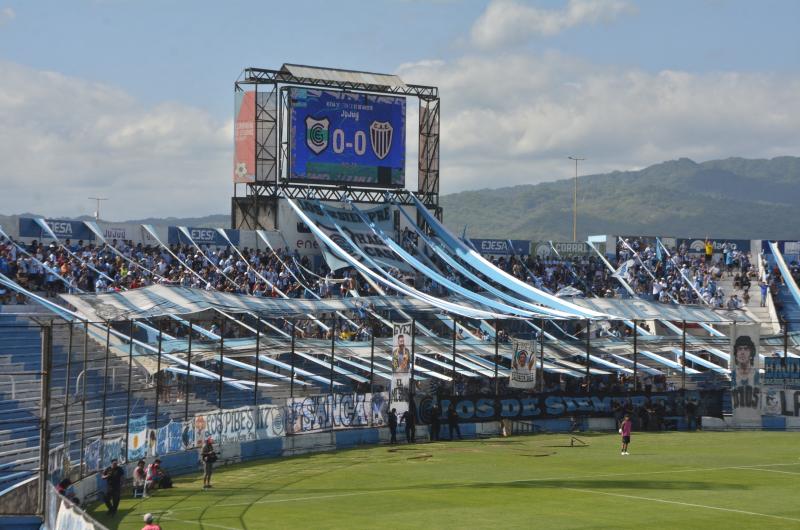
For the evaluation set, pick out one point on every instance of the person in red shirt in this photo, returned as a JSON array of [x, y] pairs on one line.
[[149, 524], [625, 431]]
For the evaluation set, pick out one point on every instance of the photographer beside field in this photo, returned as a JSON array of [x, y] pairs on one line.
[[208, 456]]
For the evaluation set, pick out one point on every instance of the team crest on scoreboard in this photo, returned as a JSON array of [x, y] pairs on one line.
[[317, 134], [380, 134]]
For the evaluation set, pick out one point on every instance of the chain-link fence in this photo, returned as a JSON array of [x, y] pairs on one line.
[[80, 394]]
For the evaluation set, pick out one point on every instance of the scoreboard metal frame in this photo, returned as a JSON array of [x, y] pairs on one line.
[[272, 136]]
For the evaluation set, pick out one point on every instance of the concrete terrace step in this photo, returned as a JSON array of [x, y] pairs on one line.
[[752, 309]]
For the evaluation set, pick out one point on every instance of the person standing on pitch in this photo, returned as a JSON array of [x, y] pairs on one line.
[[436, 411], [149, 524], [625, 431], [452, 421], [411, 431], [114, 476], [392, 417], [209, 456]]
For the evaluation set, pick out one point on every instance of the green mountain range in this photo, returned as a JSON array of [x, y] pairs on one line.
[[732, 198]]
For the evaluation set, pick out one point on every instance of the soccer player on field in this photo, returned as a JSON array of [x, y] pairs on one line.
[[625, 431]]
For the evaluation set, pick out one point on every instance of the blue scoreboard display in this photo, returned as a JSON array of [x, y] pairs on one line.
[[347, 138]]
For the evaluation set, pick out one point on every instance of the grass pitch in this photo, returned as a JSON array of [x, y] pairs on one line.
[[670, 480]]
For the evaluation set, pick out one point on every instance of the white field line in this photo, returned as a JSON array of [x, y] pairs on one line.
[[753, 468], [466, 484], [201, 523], [689, 504]]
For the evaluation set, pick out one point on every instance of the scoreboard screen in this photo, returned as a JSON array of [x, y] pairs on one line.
[[347, 138]]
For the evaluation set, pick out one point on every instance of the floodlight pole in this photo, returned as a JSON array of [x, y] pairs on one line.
[[541, 355], [575, 200], [188, 375], [453, 371], [97, 211], [291, 383], [635, 356], [496, 356], [258, 369], [588, 353], [683, 358]]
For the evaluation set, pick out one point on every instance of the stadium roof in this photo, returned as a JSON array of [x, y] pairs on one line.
[[162, 300], [342, 76]]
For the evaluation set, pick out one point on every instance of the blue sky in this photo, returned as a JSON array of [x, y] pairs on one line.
[[97, 95]]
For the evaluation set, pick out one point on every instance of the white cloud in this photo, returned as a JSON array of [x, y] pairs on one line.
[[6, 15], [514, 119], [506, 22], [64, 139]]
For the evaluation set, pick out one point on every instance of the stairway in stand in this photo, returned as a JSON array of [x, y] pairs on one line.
[[753, 309]]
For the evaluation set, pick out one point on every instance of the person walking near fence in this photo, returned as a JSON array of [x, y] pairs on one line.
[[411, 429], [392, 417], [114, 476], [209, 456], [452, 421], [436, 411]]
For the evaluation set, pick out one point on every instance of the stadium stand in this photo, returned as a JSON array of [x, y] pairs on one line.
[[270, 319]]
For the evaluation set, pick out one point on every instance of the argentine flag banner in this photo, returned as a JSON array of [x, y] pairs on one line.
[[137, 438]]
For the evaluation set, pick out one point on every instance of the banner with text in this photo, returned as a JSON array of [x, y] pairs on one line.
[[324, 412], [73, 230], [479, 408], [238, 425], [501, 247], [746, 391], [777, 401], [401, 367], [698, 246], [783, 372], [523, 365], [201, 236], [565, 249]]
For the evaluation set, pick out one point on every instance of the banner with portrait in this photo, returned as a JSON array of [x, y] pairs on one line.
[[401, 366], [523, 365], [746, 389]]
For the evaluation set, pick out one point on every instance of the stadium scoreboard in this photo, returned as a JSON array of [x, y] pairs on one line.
[[346, 138]]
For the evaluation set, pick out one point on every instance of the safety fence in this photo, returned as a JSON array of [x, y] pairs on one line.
[[80, 394]]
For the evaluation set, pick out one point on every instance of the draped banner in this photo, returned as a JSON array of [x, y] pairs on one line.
[[91, 455], [111, 449], [137, 438], [238, 425], [502, 247], [783, 372], [401, 366], [523, 365], [357, 231], [57, 465], [336, 411], [746, 390], [270, 422], [777, 401], [480, 408], [62, 228], [780, 393]]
